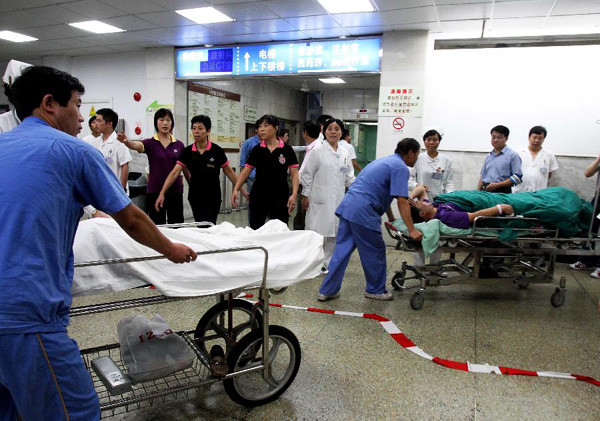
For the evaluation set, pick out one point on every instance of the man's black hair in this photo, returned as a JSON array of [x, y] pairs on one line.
[[406, 145], [91, 120], [282, 132], [432, 132], [323, 118], [35, 82], [414, 213], [269, 119], [161, 113], [333, 120], [501, 129], [312, 128], [538, 130], [204, 119], [109, 115]]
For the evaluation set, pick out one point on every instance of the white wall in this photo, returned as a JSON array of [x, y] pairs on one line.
[[340, 102]]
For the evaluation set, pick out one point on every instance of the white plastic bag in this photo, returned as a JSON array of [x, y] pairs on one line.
[[150, 349]]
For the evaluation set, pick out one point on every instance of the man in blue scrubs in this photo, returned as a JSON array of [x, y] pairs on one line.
[[369, 197], [47, 176]]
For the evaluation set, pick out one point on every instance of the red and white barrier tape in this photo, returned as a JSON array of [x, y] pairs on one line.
[[403, 340]]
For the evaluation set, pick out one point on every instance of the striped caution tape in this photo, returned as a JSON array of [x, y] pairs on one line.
[[405, 342]]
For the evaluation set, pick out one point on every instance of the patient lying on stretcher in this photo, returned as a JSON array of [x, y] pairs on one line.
[[450, 214]]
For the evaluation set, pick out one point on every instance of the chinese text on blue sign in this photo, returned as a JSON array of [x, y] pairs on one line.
[[347, 55]]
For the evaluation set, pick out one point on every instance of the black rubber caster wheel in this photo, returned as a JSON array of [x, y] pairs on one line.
[[398, 280], [417, 301], [558, 298]]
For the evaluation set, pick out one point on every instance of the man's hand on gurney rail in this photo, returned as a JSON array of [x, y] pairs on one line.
[[139, 227], [415, 234]]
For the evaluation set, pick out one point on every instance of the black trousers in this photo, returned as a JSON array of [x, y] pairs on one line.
[[171, 212], [206, 211], [273, 208]]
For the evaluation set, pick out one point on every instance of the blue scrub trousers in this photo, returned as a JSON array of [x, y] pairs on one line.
[[43, 377], [371, 249]]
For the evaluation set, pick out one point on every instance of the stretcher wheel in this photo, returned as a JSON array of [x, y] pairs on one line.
[[558, 298], [277, 291], [417, 301], [398, 279], [212, 329], [252, 389]]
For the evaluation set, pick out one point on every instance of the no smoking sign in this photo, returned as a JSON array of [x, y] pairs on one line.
[[398, 123]]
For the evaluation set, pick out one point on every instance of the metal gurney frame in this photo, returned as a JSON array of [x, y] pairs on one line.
[[251, 347], [524, 260]]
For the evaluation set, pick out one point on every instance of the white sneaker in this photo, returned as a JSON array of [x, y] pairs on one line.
[[386, 296], [596, 273], [578, 266]]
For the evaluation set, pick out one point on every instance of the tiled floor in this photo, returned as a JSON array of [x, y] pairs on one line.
[[352, 369]]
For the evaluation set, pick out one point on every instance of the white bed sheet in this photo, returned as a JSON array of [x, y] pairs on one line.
[[293, 256]]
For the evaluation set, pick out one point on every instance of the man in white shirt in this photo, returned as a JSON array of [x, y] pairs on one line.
[[95, 131], [115, 153], [433, 171], [311, 131], [9, 120], [537, 163]]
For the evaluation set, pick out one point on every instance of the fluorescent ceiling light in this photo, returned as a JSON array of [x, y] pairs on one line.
[[97, 27], [204, 15], [333, 80], [15, 37], [347, 6]]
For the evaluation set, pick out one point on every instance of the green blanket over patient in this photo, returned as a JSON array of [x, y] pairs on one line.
[[555, 206]]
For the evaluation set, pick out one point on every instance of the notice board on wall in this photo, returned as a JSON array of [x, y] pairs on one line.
[[469, 91], [225, 112]]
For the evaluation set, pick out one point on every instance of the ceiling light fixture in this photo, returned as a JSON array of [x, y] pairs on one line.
[[203, 15], [347, 6], [15, 37], [97, 27], [332, 80]]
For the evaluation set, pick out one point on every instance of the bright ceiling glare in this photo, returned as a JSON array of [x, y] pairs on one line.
[[333, 80], [97, 27], [15, 37], [347, 6], [204, 15]]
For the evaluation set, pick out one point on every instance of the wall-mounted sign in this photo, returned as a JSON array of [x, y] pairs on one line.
[[403, 101], [250, 113], [342, 55]]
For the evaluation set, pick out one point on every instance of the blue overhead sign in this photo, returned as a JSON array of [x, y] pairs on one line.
[[343, 55]]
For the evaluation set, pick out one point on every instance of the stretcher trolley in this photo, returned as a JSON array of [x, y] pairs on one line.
[[529, 258], [262, 359]]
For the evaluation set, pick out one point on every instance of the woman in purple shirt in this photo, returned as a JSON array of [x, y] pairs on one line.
[[163, 151]]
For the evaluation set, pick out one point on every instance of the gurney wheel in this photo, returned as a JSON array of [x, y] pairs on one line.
[[398, 279], [558, 298], [252, 389], [212, 328], [417, 301], [277, 291]]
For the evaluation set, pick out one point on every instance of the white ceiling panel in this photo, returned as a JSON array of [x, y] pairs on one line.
[[446, 2], [240, 39], [523, 9], [572, 21], [367, 30], [247, 11], [134, 6], [287, 36], [384, 5], [424, 26], [528, 24], [463, 28], [406, 16], [57, 14], [166, 18], [295, 8], [92, 9], [358, 19], [130, 23], [58, 31], [229, 28], [464, 11], [327, 33], [12, 5], [180, 4], [313, 22], [269, 25], [575, 7]]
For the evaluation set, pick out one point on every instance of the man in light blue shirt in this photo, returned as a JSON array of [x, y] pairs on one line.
[[502, 167], [46, 177], [247, 146], [369, 197]]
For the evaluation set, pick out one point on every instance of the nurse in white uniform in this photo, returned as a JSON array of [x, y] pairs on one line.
[[327, 171], [9, 120]]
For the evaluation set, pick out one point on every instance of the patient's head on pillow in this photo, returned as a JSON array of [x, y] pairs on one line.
[[415, 214], [425, 210]]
